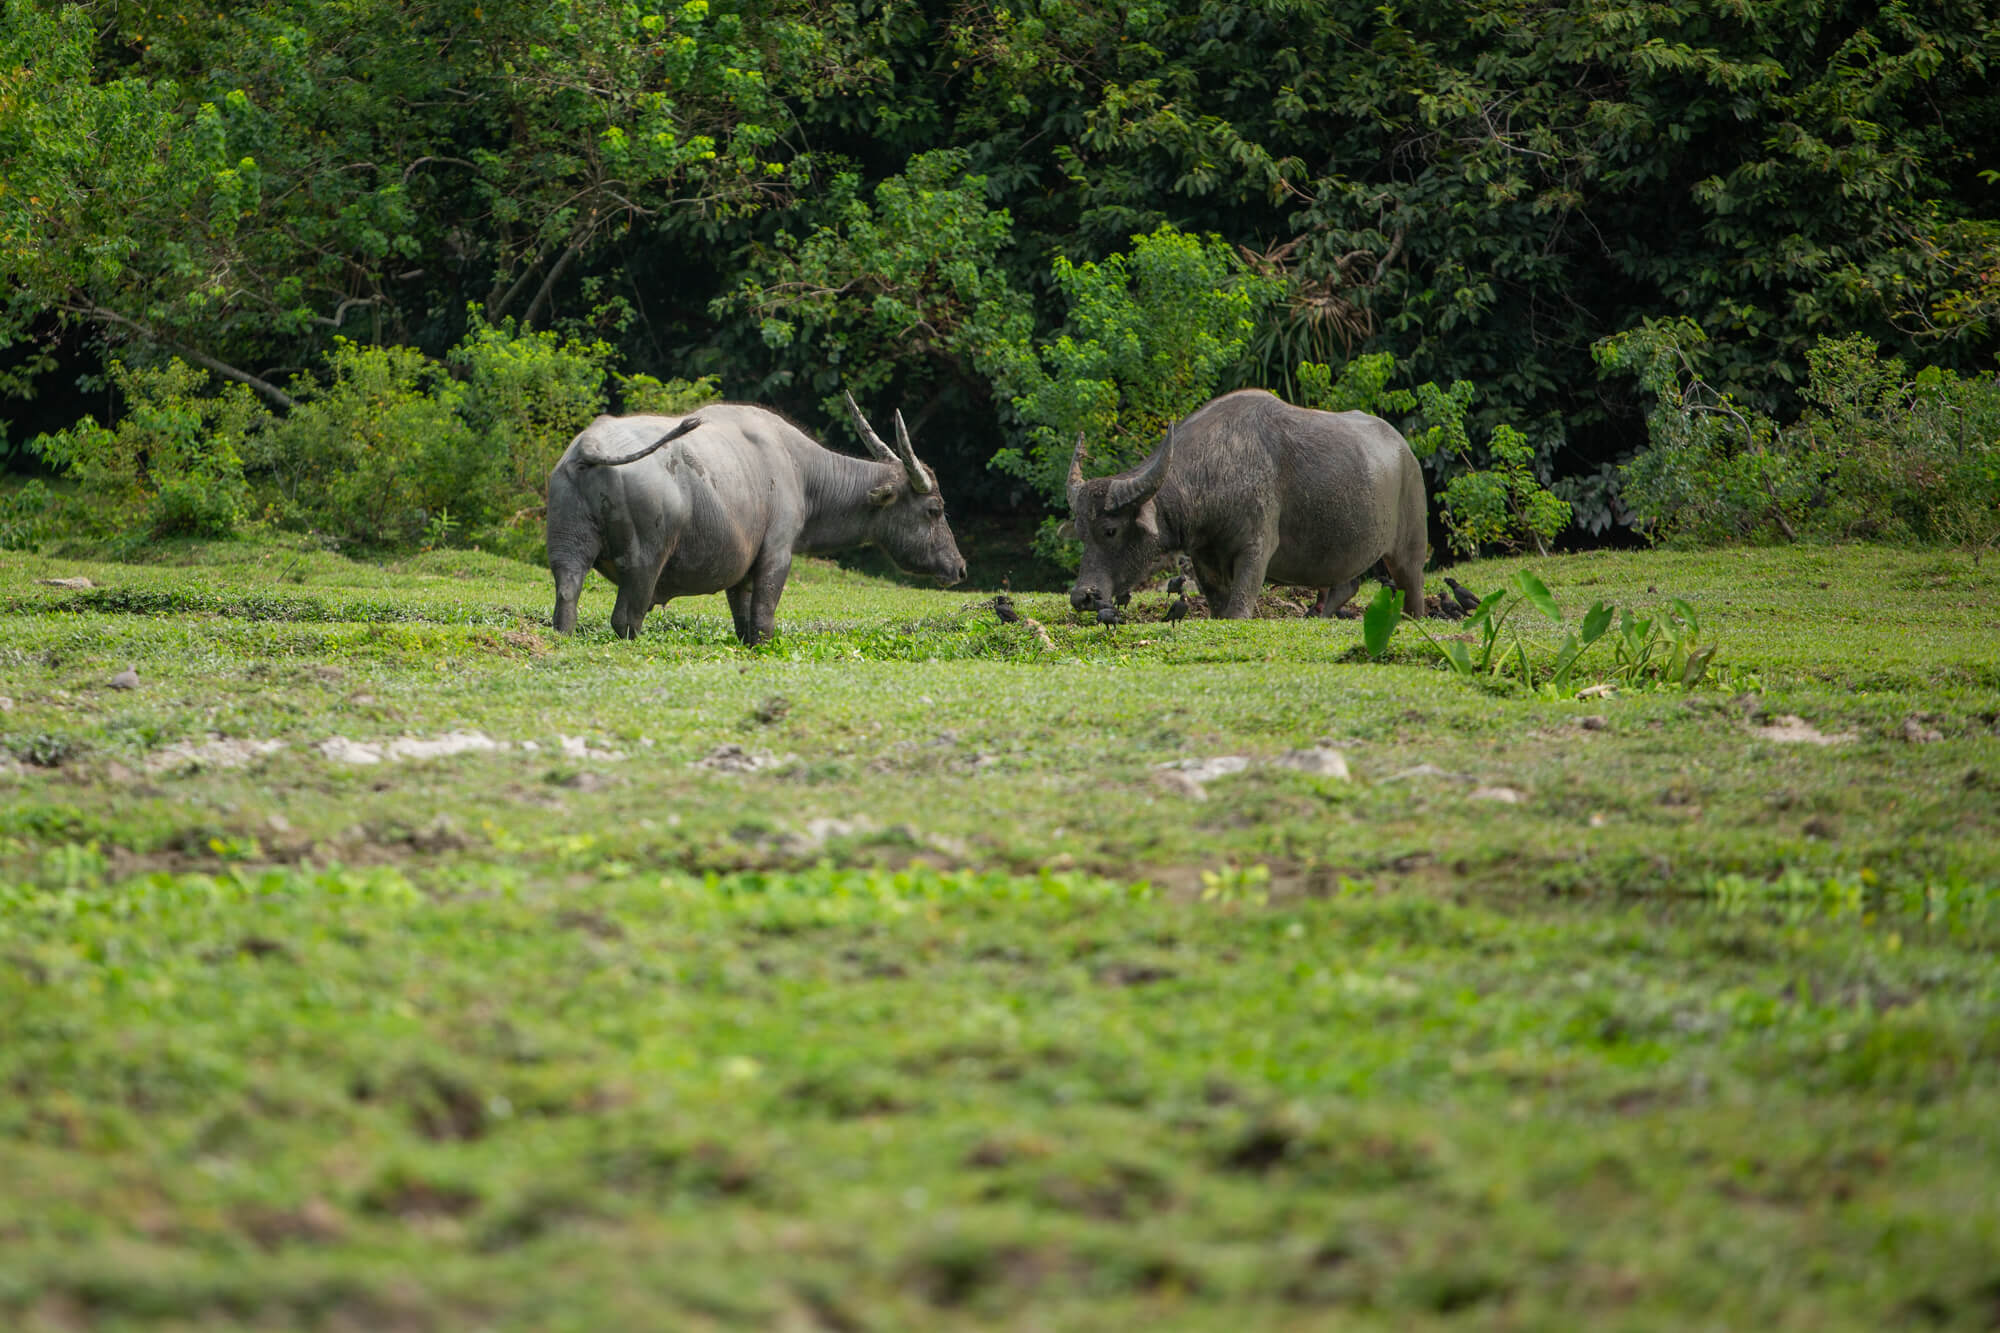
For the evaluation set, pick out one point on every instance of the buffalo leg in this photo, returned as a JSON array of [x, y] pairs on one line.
[[635, 599], [1407, 569], [569, 587], [1246, 580], [1337, 597], [740, 610], [767, 585]]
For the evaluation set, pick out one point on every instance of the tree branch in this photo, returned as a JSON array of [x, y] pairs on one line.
[[200, 358], [556, 270]]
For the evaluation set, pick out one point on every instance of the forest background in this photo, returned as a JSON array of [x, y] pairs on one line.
[[1717, 269]]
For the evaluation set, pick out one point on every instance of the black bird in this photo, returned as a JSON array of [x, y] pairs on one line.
[[1107, 614], [1003, 606], [1464, 596], [1176, 583], [1177, 609]]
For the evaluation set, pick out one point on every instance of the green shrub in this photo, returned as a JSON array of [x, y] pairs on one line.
[[642, 394], [372, 455], [27, 516], [1362, 386], [171, 464], [1878, 453], [1906, 458], [1149, 336], [527, 394], [1494, 500], [1713, 469]]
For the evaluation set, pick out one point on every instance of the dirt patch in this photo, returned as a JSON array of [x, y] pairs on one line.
[[344, 751], [215, 752], [1790, 729]]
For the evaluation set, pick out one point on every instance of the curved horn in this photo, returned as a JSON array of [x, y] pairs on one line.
[[920, 481], [882, 452], [1076, 472], [1133, 491]]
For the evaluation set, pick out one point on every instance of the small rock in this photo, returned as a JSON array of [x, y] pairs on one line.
[[1319, 761], [1431, 771], [78, 583], [6, 704], [1208, 770], [277, 823], [1180, 784], [1914, 731], [1594, 722], [128, 679], [1505, 795], [584, 781]]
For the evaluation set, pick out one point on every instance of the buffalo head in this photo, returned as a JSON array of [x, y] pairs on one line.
[[906, 513], [1116, 521]]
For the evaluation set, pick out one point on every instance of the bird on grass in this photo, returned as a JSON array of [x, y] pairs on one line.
[[1003, 606], [1107, 614], [1177, 609], [1467, 599], [1176, 583]]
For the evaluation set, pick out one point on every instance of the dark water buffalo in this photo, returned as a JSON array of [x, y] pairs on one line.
[[1252, 488], [721, 501]]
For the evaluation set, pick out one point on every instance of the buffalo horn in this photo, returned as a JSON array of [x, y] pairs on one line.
[[1130, 492], [881, 451], [920, 481], [1076, 472]]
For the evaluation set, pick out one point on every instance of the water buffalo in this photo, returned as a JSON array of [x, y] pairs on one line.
[[721, 501], [1252, 488]]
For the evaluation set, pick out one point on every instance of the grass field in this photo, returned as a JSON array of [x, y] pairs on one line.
[[880, 978]]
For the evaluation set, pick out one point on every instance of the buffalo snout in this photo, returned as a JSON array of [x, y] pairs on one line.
[[1082, 597]]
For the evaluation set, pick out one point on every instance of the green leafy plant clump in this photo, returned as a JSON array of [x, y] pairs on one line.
[[1664, 650]]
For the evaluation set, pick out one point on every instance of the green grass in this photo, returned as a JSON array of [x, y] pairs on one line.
[[955, 1014]]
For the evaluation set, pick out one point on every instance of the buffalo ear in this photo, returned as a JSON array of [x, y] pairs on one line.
[[1148, 521], [1067, 530], [883, 496]]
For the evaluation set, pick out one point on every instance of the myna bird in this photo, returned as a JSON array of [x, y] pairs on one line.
[[1176, 583], [1177, 609], [1003, 606], [1467, 599], [1107, 614]]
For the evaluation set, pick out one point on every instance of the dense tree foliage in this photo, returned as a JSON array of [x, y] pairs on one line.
[[801, 195]]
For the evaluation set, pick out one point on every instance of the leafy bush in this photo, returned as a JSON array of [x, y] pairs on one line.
[[171, 464], [640, 394], [1905, 458], [26, 516], [527, 394], [1713, 469], [1502, 503], [1878, 452], [373, 454], [1150, 334], [884, 288], [1362, 386]]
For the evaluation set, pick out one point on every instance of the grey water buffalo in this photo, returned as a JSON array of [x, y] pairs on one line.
[[1252, 488], [720, 501]]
